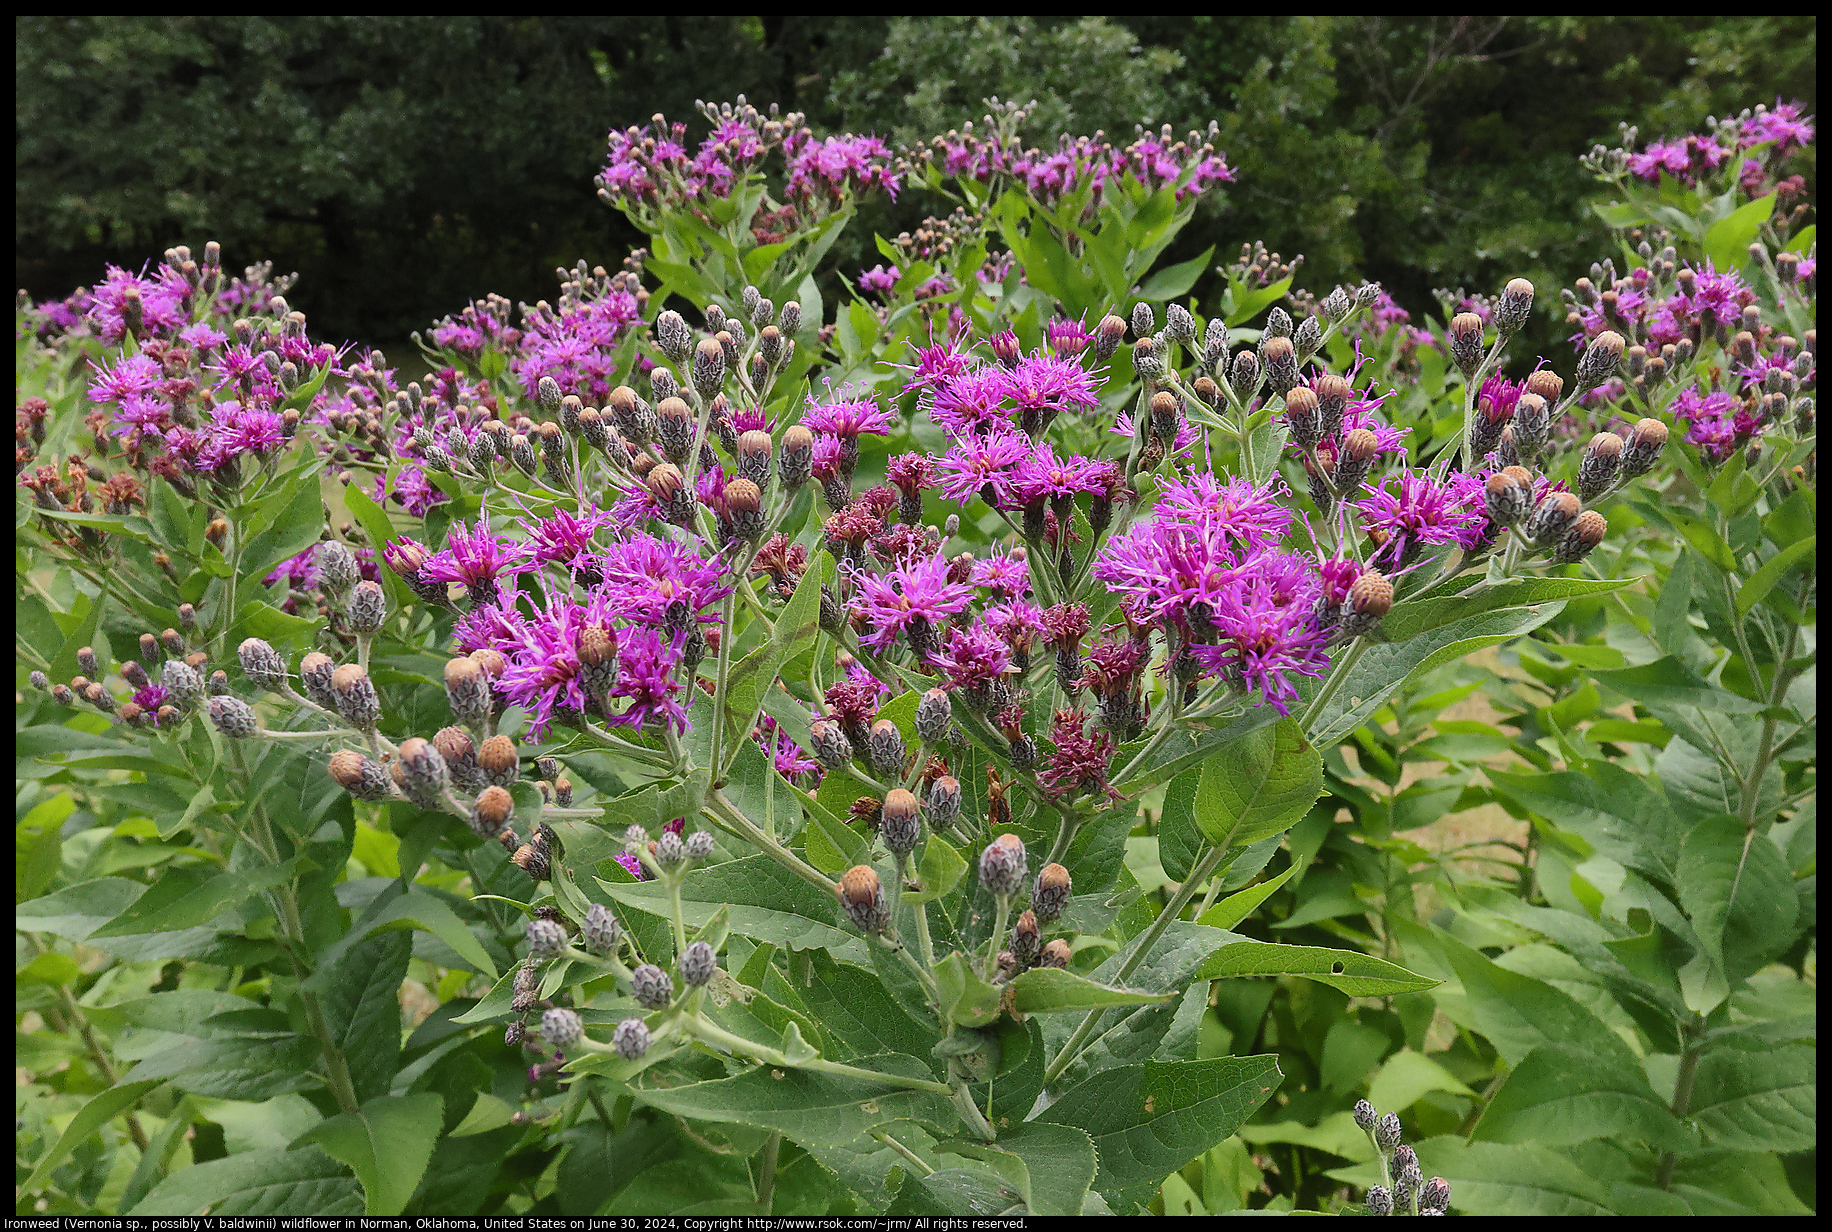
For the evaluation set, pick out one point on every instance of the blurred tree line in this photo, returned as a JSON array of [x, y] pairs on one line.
[[406, 165]]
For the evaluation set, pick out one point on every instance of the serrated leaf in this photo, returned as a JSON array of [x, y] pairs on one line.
[[1148, 1120], [188, 902], [767, 903], [419, 909], [1519, 1013], [1772, 571], [386, 1143], [1415, 616], [805, 1106], [1257, 786], [269, 1182], [1758, 1101], [100, 1110], [1735, 886], [1560, 1096]]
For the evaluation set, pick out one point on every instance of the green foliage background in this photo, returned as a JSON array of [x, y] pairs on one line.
[[406, 165]]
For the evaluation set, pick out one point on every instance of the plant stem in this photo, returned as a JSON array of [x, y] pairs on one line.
[[915, 1161], [766, 1174], [1338, 673], [1199, 873], [1682, 1100], [712, 1033]]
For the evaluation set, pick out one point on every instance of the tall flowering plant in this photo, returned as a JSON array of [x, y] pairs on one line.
[[734, 760]]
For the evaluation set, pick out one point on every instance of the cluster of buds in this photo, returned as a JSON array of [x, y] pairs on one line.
[[1403, 1189], [167, 684], [668, 855]]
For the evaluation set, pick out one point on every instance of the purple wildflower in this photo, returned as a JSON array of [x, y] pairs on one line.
[[648, 675], [914, 598]]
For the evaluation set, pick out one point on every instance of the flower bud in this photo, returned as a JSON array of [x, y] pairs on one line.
[[61, 694], [496, 757], [900, 822], [561, 1027], [1333, 395], [1546, 384], [532, 858], [1434, 1196], [262, 664], [547, 392], [744, 504], [1369, 601], [1355, 460], [885, 748], [1301, 417], [1466, 342], [830, 744], [527, 987], [367, 607], [99, 697], [1055, 954], [698, 963], [933, 714], [600, 930], [1552, 517], [669, 852], [1601, 463], [1281, 359], [1365, 1116], [491, 811], [1144, 320], [1244, 374], [233, 717], [1506, 499], [943, 803], [631, 1038], [1532, 422], [423, 775], [545, 938], [1004, 865], [1107, 337], [1026, 941], [1387, 1132], [1583, 537], [862, 897], [356, 774], [355, 696], [1600, 359], [1644, 448], [87, 662], [1515, 307], [651, 986], [182, 682], [699, 845], [1380, 1200], [674, 428], [673, 336], [1051, 893], [514, 1034], [1147, 361]]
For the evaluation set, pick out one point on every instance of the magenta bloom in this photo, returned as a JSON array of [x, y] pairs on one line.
[[917, 596], [644, 577], [648, 675], [847, 418], [1235, 509], [1041, 475], [1265, 634], [971, 403], [1005, 575], [1423, 512], [561, 536], [1049, 386], [475, 558], [878, 279], [235, 430], [974, 658], [1782, 125], [981, 466]]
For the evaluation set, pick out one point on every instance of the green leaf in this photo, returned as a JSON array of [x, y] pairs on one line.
[[1519, 1013], [100, 1110], [1765, 579], [486, 1114], [1060, 1163], [1559, 1096], [362, 1009], [1043, 990], [1350, 971], [857, 1015], [1244, 304], [1415, 616], [1620, 814], [806, 1106], [1735, 1183], [1758, 1101], [794, 631], [1703, 538], [1149, 1120], [966, 999], [1735, 886], [386, 1143], [1258, 785], [249, 1067], [419, 909], [288, 532], [1237, 907], [269, 1182], [188, 903], [940, 869], [1167, 284], [1727, 242], [1384, 668], [1409, 1076], [767, 903], [1668, 682]]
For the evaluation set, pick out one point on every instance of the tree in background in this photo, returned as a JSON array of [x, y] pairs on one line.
[[406, 165]]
